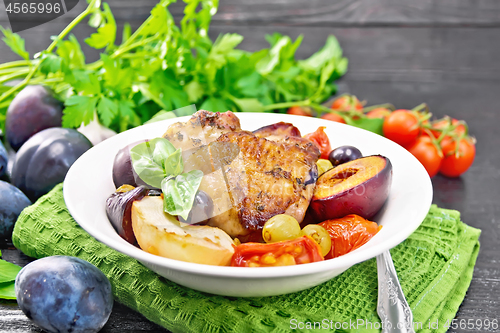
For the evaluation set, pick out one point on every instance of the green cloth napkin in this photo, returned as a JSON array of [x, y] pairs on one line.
[[435, 266]]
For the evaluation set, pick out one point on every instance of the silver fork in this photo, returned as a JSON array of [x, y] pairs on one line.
[[392, 307]]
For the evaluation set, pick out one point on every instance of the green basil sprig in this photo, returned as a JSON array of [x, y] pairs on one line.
[[159, 164]]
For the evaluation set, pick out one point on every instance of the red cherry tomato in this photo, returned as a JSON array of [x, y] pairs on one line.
[[301, 250], [427, 153], [456, 162], [333, 117], [460, 129], [380, 113], [300, 111], [347, 103], [321, 140], [348, 233], [401, 126]]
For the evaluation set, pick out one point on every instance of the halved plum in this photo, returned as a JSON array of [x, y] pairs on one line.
[[357, 187]]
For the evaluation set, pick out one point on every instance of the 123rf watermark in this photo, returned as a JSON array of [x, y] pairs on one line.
[[478, 324]]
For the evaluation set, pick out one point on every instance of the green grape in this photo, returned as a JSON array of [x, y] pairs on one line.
[[320, 236], [323, 166], [279, 228]]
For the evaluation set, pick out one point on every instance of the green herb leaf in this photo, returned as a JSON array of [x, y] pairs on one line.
[[71, 52], [15, 42], [249, 104], [174, 164], [107, 110], [8, 271], [215, 104], [106, 34], [7, 290], [370, 124], [78, 110], [179, 192], [148, 160]]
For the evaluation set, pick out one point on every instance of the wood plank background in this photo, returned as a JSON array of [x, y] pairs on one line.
[[443, 52]]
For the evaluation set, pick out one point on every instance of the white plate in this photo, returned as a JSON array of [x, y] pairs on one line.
[[89, 182]]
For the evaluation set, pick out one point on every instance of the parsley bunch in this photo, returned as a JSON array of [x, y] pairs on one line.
[[163, 66]]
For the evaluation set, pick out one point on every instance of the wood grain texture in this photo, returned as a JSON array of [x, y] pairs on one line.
[[327, 13]]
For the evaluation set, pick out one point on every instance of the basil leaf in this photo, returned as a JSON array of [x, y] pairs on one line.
[[7, 290], [174, 164], [179, 192], [148, 160], [373, 125], [8, 271]]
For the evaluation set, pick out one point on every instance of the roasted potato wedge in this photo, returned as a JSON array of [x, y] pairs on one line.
[[161, 234]]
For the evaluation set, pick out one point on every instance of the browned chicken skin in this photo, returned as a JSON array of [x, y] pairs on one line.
[[271, 171]]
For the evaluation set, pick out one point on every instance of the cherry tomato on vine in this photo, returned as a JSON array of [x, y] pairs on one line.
[[347, 103], [427, 153], [456, 162], [380, 113], [402, 127], [300, 250], [333, 117], [300, 111], [321, 140], [460, 129]]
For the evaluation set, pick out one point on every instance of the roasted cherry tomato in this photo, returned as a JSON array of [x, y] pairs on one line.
[[300, 111], [380, 113], [457, 161], [402, 127], [321, 140], [347, 103], [348, 233], [333, 117], [297, 251], [427, 153]]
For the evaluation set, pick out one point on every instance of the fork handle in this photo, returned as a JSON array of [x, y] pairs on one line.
[[392, 308]]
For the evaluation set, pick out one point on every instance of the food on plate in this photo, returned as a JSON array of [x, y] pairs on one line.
[[215, 193], [13, 202], [357, 187], [320, 236], [119, 209], [321, 140], [64, 294], [300, 250], [43, 160], [279, 228], [34, 109], [323, 166], [268, 178], [348, 233], [123, 173], [344, 154], [162, 234]]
